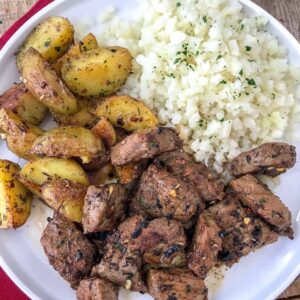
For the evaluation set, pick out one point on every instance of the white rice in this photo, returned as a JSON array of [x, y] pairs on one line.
[[211, 71]]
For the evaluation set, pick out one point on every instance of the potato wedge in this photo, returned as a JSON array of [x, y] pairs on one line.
[[89, 42], [20, 135], [128, 113], [69, 142], [43, 83], [15, 199], [128, 173], [52, 38], [104, 130], [21, 102], [38, 171], [66, 197], [97, 72]]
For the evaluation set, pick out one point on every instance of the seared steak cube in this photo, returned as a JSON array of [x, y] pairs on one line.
[[197, 175], [104, 207], [97, 289], [263, 202], [271, 159], [146, 143], [175, 284], [68, 250], [205, 245]]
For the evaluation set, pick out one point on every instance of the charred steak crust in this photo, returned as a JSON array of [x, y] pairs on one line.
[[146, 143], [262, 202], [270, 159], [70, 253]]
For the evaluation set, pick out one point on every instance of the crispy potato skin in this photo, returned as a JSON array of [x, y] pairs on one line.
[[89, 42], [66, 197], [68, 142], [15, 199], [38, 171], [104, 130], [21, 102], [128, 113], [98, 72], [51, 38], [20, 135], [43, 83]]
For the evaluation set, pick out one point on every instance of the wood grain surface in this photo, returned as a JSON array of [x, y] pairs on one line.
[[286, 11]]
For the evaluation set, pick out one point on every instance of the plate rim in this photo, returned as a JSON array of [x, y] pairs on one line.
[[53, 5]]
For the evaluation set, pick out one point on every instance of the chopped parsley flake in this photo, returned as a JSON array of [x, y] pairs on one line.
[[242, 26], [222, 120], [274, 96], [248, 48], [241, 72], [251, 82], [204, 18], [219, 57], [223, 82], [178, 4], [177, 60], [47, 43], [57, 49]]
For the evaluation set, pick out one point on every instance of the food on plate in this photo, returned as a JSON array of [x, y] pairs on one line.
[[89, 42], [143, 144], [15, 199], [66, 197], [242, 231], [104, 207], [96, 288], [263, 202], [271, 159], [20, 135], [43, 83], [205, 246], [103, 175], [181, 164], [69, 142], [176, 284], [68, 250], [104, 130], [22, 103], [162, 194], [128, 113], [98, 72], [40, 170]]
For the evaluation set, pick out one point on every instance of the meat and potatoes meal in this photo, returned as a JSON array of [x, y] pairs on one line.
[[132, 208]]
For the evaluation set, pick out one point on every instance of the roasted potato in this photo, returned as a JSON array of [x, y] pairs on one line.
[[106, 132], [43, 83], [69, 142], [66, 197], [52, 38], [20, 135], [89, 42], [21, 102], [129, 173], [127, 113], [15, 199], [38, 171], [97, 72]]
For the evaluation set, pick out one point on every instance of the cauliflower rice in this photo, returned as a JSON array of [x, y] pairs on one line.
[[211, 71]]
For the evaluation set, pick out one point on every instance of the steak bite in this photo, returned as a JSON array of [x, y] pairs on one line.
[[161, 194], [183, 165], [240, 230], [70, 253], [205, 246], [97, 289], [270, 159], [263, 202], [143, 144], [104, 207], [175, 284]]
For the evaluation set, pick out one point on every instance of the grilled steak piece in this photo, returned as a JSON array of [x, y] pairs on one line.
[[97, 289], [104, 207], [146, 143], [205, 245], [163, 194], [175, 284], [263, 202], [271, 159], [240, 230], [70, 253], [183, 165]]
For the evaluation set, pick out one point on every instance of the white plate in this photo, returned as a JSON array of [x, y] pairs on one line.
[[259, 276]]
